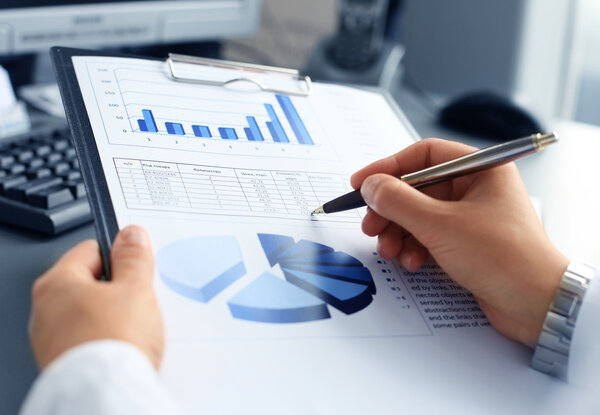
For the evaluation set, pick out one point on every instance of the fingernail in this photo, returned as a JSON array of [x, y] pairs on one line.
[[135, 235], [368, 188], [406, 260]]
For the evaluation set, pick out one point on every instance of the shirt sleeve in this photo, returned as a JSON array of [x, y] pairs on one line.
[[584, 353], [99, 378]]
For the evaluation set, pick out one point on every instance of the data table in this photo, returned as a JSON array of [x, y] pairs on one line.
[[193, 188]]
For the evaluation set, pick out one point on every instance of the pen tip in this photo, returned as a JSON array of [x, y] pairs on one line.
[[317, 211]]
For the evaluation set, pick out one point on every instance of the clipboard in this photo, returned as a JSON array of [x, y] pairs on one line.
[[328, 366], [173, 59], [105, 221]]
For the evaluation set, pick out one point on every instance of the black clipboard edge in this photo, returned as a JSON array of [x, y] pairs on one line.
[[105, 221]]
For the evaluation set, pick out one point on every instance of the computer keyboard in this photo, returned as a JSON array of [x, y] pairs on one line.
[[40, 183]]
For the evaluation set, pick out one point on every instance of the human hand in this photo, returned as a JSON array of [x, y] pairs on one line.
[[481, 229], [71, 306]]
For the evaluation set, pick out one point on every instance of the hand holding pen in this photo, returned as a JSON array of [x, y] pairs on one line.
[[480, 228], [473, 162]]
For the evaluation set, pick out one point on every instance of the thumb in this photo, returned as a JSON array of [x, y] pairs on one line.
[[131, 257], [399, 202]]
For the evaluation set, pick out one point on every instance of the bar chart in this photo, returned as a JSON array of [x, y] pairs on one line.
[[250, 131], [142, 107]]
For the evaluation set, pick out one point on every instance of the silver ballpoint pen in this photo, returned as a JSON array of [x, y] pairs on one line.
[[483, 159]]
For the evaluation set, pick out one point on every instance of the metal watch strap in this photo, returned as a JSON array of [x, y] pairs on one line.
[[552, 351]]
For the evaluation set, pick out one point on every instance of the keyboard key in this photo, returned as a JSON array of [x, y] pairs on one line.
[[77, 188], [70, 153], [42, 150], [61, 144], [38, 172], [22, 155], [6, 160], [10, 181], [70, 175], [35, 163], [50, 197], [21, 191], [75, 164], [16, 168], [60, 167], [53, 157]]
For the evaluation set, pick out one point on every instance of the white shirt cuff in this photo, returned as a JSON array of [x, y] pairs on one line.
[[97, 378]]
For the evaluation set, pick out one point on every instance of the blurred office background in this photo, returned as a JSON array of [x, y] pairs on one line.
[[543, 54], [539, 53]]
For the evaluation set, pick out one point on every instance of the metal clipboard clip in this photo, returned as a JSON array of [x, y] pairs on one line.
[[173, 59]]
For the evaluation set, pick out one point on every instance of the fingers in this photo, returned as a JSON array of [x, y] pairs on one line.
[[132, 260], [398, 202], [83, 261], [389, 242], [394, 243], [413, 254], [373, 224], [418, 156]]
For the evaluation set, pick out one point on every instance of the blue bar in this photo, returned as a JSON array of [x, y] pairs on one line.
[[249, 134], [174, 128], [294, 120], [201, 131], [149, 120], [228, 133], [280, 136], [179, 129], [142, 125], [256, 134], [273, 132]]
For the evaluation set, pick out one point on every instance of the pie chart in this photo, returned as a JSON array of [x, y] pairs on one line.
[[316, 277]]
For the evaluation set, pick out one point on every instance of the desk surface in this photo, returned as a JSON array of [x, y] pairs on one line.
[[561, 177]]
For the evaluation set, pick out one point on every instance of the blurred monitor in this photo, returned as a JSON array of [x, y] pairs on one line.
[[32, 26], [519, 48]]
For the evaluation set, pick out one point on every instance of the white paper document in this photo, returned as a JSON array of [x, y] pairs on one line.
[[267, 309]]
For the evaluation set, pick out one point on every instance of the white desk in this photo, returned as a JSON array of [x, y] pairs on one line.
[[565, 179]]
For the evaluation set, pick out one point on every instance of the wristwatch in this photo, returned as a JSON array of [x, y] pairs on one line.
[[552, 351]]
